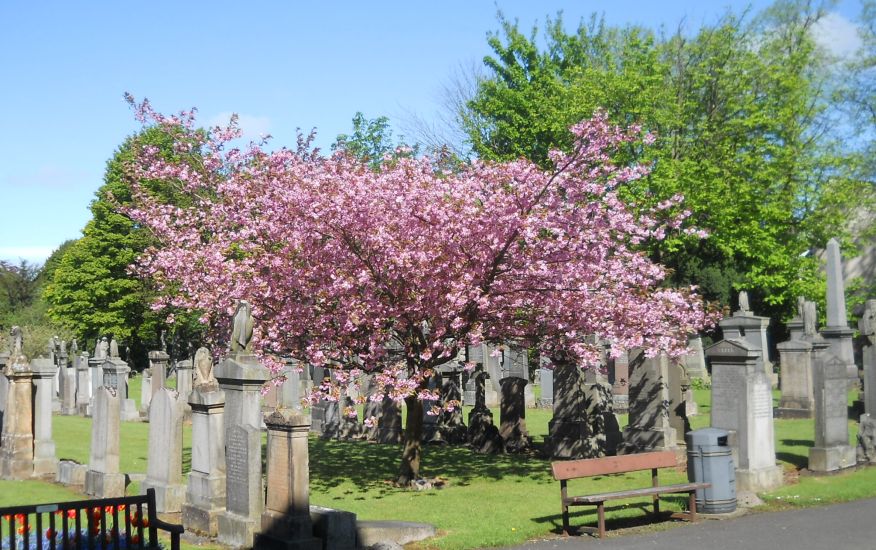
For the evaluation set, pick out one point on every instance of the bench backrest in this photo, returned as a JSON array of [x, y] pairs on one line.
[[572, 469], [96, 523]]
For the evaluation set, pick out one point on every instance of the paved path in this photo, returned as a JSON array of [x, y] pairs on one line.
[[836, 527]]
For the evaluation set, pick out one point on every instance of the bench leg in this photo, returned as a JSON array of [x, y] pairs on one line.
[[692, 506], [600, 510], [565, 520], [656, 505]]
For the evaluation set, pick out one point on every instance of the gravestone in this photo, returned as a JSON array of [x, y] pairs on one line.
[[745, 325], [164, 465], [695, 360], [578, 427], [516, 364], [83, 384], [205, 495], [602, 423], [16, 441], [285, 522], [4, 391], [512, 416], [832, 451], [102, 479], [348, 428], [483, 436], [389, 426], [796, 361], [452, 426], [482, 355], [45, 461], [619, 378], [432, 411], [679, 386], [867, 422], [289, 395], [836, 330], [184, 375], [649, 427], [145, 392], [115, 375], [742, 404], [795, 325], [241, 377], [237, 525], [95, 364], [158, 361], [546, 383], [371, 412], [68, 399]]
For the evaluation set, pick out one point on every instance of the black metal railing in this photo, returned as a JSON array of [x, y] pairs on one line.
[[107, 523]]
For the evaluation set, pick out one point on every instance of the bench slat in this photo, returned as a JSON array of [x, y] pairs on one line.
[[647, 491], [571, 469]]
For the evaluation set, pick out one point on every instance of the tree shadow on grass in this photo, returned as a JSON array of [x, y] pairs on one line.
[[587, 516], [370, 466]]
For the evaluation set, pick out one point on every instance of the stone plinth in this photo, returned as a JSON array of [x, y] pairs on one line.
[[45, 461], [285, 522], [164, 466], [16, 442], [796, 358], [103, 479], [831, 451], [649, 427], [242, 378], [205, 496]]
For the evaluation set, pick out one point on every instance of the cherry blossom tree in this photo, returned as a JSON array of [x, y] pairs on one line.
[[342, 263]]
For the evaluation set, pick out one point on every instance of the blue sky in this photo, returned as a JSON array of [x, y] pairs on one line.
[[279, 65]]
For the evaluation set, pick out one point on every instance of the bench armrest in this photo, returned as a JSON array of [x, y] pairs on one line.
[[169, 527]]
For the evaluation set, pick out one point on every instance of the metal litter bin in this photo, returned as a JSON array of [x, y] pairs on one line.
[[710, 460]]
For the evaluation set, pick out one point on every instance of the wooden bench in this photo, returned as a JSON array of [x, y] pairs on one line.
[[575, 469], [106, 523]]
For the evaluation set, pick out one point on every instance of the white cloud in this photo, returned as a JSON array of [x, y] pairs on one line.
[[837, 35], [253, 127], [35, 254]]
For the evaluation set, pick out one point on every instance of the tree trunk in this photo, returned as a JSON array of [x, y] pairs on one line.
[[410, 464]]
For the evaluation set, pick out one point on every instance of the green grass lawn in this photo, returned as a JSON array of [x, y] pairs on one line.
[[486, 500]]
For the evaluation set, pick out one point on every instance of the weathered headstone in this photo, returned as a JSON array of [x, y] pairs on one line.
[[546, 385], [45, 461], [184, 375], [490, 364], [158, 361], [679, 385], [695, 360], [4, 391], [145, 392], [115, 375], [432, 411], [371, 412], [83, 384], [285, 522], [452, 426], [241, 376], [512, 417], [164, 465], [796, 361], [68, 399], [389, 426], [205, 495], [836, 330], [516, 364], [16, 441], [483, 436], [619, 378], [348, 428], [745, 325], [832, 450], [237, 525], [103, 479], [95, 364], [577, 429], [867, 422], [742, 404], [649, 427]]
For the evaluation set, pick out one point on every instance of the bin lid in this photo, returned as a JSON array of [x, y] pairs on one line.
[[705, 436]]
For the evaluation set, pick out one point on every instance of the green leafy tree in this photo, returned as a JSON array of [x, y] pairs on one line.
[[740, 114], [371, 141], [92, 291]]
